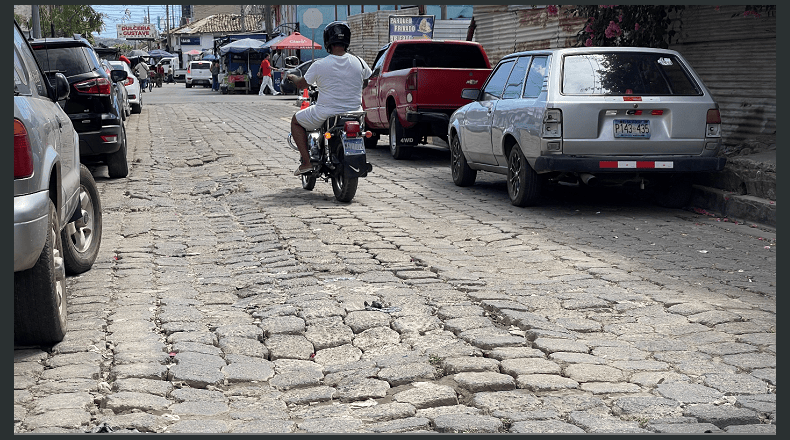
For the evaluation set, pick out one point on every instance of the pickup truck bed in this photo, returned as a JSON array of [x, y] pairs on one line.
[[416, 85]]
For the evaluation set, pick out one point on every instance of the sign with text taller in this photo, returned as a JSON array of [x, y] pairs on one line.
[[140, 31], [411, 27]]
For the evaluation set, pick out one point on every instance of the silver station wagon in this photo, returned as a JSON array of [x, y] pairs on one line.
[[592, 116]]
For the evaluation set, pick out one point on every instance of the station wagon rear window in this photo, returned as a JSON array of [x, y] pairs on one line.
[[627, 73]]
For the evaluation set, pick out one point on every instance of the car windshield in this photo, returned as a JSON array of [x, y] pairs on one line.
[[117, 65], [627, 73], [69, 61]]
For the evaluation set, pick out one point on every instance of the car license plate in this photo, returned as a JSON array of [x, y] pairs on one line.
[[629, 128], [353, 146]]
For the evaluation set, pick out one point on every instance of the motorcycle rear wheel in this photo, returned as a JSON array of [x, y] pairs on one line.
[[344, 187], [308, 181]]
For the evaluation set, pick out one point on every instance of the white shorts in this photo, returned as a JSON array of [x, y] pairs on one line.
[[312, 117]]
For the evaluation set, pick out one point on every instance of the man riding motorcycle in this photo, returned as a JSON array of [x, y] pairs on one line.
[[338, 78]]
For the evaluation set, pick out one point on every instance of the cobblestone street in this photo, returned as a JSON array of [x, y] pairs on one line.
[[227, 299]]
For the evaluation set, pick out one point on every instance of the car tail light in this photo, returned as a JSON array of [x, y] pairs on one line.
[[552, 123], [23, 153], [110, 138], [351, 128], [713, 123], [411, 81], [129, 81], [96, 86]]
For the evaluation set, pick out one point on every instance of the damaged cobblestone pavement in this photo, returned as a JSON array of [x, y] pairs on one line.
[[227, 299]]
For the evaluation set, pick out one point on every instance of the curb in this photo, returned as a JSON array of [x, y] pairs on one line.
[[733, 205]]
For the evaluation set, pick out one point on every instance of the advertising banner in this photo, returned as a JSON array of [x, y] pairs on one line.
[[411, 27], [140, 31]]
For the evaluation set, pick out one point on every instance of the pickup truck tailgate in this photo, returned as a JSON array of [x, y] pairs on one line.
[[440, 88]]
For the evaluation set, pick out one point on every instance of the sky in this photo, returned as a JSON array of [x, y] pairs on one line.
[[117, 14]]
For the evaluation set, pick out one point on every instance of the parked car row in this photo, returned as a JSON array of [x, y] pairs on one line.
[[69, 112]]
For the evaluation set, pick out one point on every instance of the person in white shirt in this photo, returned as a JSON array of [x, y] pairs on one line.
[[339, 79]]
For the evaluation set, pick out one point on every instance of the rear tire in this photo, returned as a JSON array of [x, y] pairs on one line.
[[523, 183], [82, 238], [463, 175], [39, 293], [343, 186], [117, 165], [189, 86], [137, 108], [308, 181], [399, 152]]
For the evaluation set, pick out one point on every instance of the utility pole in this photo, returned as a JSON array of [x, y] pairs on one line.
[[36, 19], [167, 27], [267, 16], [243, 20], [444, 12]]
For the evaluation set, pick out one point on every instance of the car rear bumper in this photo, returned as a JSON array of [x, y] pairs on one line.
[[91, 143], [198, 81], [606, 164], [31, 220]]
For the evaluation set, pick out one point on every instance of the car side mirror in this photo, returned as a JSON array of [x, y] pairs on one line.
[[61, 87], [118, 75], [471, 94]]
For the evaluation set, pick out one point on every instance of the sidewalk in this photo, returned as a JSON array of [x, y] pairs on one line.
[[744, 191]]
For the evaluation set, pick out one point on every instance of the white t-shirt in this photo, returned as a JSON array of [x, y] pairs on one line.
[[339, 80]]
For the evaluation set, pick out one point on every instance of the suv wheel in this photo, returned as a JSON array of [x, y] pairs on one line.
[[39, 293], [117, 166], [82, 238]]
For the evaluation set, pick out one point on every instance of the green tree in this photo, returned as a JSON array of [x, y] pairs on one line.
[[67, 20]]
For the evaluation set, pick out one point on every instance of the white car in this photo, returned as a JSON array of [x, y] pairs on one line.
[[132, 85], [199, 72]]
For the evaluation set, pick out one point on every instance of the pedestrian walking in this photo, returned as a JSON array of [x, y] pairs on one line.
[[265, 74], [214, 76], [141, 71]]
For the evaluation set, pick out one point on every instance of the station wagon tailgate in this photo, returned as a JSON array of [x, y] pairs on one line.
[[632, 103]]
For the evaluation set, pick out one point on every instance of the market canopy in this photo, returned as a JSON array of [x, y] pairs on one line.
[[243, 45], [159, 53], [137, 53], [274, 41], [296, 41]]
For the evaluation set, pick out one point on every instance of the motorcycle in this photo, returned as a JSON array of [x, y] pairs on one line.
[[337, 152]]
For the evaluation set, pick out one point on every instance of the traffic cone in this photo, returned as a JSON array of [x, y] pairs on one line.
[[304, 93], [305, 104]]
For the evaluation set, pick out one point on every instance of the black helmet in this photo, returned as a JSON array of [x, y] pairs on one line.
[[336, 32]]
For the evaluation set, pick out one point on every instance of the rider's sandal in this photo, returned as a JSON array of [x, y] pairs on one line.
[[304, 168]]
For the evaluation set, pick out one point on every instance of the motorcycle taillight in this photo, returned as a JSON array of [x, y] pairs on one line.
[[352, 128]]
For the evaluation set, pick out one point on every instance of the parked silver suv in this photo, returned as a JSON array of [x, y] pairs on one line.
[[595, 115], [57, 212]]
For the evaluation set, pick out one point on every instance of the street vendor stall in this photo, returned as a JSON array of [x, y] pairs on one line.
[[240, 76]]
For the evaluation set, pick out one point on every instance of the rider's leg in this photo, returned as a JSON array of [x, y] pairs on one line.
[[299, 135]]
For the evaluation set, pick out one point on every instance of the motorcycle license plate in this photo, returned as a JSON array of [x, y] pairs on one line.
[[631, 128], [353, 146]]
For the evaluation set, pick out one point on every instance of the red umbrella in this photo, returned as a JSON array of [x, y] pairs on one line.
[[193, 52], [296, 41]]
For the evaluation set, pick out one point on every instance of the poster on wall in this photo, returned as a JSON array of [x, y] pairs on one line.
[[411, 27]]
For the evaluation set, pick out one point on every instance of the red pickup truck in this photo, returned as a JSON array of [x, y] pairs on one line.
[[416, 85]]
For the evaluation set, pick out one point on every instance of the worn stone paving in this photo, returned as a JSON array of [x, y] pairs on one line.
[[227, 299]]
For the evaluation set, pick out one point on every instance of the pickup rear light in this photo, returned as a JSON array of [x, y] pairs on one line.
[[351, 128], [23, 152], [96, 86], [411, 81], [713, 123], [552, 123]]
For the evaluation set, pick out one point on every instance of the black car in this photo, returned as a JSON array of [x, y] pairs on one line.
[[288, 87], [93, 106]]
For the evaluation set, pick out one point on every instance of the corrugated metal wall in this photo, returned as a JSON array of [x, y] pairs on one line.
[[370, 31], [735, 56], [450, 29]]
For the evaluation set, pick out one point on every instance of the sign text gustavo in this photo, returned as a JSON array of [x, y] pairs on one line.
[[141, 31]]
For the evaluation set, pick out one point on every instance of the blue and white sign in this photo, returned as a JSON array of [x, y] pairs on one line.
[[411, 27]]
